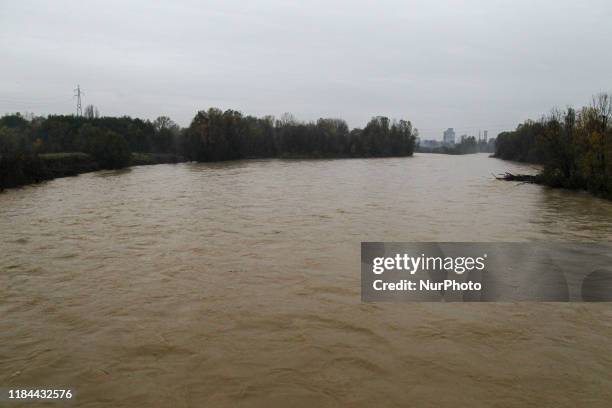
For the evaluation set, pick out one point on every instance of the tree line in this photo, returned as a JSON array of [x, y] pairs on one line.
[[26, 145], [574, 146], [216, 135]]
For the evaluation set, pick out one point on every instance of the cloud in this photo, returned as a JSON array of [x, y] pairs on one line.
[[469, 65]]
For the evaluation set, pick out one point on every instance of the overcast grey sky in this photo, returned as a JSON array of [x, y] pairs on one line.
[[466, 64]]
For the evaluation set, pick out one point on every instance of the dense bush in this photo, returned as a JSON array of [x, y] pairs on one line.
[[68, 164], [108, 149]]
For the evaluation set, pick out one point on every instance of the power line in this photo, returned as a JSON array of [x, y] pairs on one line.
[[36, 98], [35, 104]]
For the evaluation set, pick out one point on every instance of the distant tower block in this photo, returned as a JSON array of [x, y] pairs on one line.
[[486, 134], [449, 136]]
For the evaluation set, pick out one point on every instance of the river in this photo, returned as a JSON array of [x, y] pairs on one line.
[[237, 284]]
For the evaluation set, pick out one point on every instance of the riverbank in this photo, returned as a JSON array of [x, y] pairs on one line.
[[444, 150], [552, 178], [31, 169]]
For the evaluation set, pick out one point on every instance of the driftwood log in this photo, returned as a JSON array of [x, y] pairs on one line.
[[523, 178]]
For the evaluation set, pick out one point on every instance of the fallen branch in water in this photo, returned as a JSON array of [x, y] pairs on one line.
[[524, 178]]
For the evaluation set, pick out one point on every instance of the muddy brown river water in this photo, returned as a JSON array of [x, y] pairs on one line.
[[237, 284]]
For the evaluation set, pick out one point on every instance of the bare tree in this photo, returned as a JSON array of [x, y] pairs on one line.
[[287, 119], [164, 122], [602, 103], [91, 112]]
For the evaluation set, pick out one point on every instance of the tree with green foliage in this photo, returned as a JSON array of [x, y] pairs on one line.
[[574, 147], [110, 150]]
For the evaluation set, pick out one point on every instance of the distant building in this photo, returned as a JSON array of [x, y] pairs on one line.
[[486, 133], [449, 136]]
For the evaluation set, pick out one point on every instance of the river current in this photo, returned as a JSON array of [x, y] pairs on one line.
[[237, 284]]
